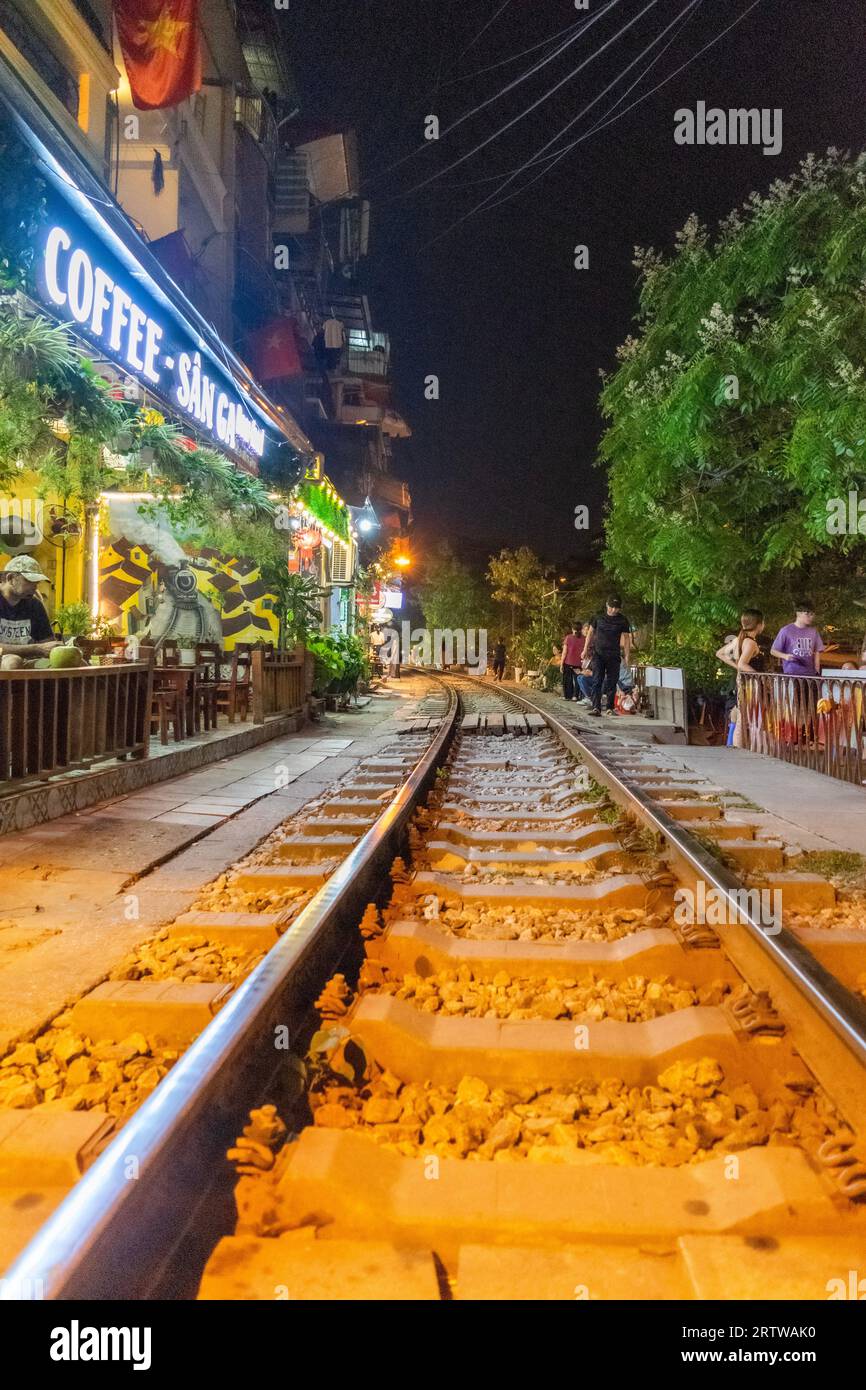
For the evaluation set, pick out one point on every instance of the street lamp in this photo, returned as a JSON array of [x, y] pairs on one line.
[[402, 561], [365, 518]]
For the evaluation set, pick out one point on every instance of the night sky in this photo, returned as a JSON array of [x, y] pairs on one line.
[[495, 308]]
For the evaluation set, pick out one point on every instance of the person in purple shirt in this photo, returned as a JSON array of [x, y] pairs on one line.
[[798, 645]]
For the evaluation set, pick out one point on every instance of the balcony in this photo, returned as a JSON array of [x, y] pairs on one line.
[[363, 413], [372, 363], [392, 490], [253, 115]]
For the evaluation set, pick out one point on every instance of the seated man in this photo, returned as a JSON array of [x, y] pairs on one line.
[[25, 632]]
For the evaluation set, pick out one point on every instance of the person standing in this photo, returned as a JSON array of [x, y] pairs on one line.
[[750, 731], [609, 643], [499, 655], [798, 645], [572, 659]]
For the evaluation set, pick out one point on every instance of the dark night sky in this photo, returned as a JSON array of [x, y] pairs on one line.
[[496, 310]]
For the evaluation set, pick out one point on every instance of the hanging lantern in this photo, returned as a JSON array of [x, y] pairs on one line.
[[308, 539]]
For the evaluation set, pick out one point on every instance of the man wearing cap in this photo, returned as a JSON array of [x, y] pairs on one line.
[[25, 632], [608, 645]]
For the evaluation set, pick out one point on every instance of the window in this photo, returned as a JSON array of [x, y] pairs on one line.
[[40, 56]]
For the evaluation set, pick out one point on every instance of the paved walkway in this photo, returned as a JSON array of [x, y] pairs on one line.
[[803, 808], [79, 893]]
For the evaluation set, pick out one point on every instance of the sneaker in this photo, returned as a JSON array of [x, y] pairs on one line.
[[612, 711], [596, 713]]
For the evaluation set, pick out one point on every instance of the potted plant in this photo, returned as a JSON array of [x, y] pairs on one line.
[[74, 619]]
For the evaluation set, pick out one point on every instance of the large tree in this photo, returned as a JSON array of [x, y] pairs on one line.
[[739, 409], [450, 595]]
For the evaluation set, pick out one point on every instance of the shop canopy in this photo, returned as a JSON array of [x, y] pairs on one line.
[[94, 272]]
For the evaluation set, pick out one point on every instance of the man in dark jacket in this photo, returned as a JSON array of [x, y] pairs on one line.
[[608, 644]]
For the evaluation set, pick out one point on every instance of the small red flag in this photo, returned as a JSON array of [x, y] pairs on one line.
[[159, 40], [274, 351]]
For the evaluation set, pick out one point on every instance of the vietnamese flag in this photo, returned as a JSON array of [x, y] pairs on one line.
[[159, 40], [274, 351]]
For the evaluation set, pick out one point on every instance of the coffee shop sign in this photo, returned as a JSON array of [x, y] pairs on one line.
[[83, 291]]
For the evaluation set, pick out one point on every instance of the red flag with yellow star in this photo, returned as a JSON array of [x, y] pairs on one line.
[[159, 40]]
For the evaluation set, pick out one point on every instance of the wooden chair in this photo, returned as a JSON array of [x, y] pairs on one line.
[[165, 706], [235, 692], [209, 657], [169, 652]]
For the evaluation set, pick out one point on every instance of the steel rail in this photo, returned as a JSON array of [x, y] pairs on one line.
[[837, 1006], [114, 1234]]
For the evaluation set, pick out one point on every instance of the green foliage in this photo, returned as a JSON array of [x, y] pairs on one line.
[[341, 662], [451, 596], [330, 664], [356, 665], [43, 378], [297, 605], [533, 647], [74, 619], [517, 580], [718, 487], [702, 671], [325, 508]]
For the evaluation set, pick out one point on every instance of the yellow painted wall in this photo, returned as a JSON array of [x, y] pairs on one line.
[[49, 557]]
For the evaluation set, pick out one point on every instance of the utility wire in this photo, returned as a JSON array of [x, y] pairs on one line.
[[503, 62], [483, 29], [539, 101], [487, 204], [530, 72]]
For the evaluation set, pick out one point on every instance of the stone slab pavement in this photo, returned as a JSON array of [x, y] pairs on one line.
[[80, 892], [804, 808]]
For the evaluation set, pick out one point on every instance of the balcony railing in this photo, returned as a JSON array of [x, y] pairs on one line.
[[58, 721], [254, 116], [357, 362], [818, 722]]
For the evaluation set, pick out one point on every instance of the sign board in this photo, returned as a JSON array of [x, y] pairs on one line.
[[392, 598], [84, 283], [665, 677]]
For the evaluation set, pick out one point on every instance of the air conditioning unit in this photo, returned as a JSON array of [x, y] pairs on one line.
[[342, 563]]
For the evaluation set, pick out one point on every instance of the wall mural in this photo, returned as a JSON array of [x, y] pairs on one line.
[[159, 586]]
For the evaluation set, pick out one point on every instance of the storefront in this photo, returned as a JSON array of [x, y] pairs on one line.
[[130, 554]]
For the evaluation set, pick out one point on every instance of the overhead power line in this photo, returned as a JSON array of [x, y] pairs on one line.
[[493, 201]]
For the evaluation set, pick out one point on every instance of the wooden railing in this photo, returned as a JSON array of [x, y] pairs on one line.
[[817, 722], [278, 683], [56, 721]]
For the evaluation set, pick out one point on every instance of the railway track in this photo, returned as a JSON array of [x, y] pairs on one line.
[[530, 1076]]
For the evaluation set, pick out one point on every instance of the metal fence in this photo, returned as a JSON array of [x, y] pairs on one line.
[[57, 721], [817, 722]]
